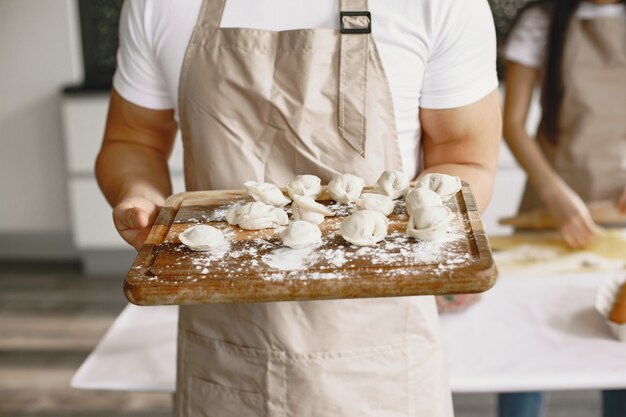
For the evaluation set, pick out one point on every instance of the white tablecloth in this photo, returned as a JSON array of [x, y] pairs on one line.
[[527, 333], [137, 353]]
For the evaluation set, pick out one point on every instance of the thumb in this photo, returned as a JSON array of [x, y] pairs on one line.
[[135, 218]]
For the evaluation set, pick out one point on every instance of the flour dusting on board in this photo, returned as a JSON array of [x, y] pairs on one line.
[[261, 253], [287, 259]]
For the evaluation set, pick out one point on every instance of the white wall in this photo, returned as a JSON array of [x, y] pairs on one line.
[[39, 53]]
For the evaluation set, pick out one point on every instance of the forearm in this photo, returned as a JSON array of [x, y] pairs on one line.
[[541, 175], [125, 169]]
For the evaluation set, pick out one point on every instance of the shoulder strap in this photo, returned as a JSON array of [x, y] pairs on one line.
[[355, 27], [211, 13]]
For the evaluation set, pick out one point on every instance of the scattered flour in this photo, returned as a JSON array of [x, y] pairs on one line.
[[397, 255], [287, 259]]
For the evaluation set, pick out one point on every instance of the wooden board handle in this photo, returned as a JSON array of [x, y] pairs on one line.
[[602, 212]]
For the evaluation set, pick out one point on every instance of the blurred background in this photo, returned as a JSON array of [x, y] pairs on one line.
[[61, 262], [57, 58]]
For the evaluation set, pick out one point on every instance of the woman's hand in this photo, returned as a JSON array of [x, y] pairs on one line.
[[621, 202], [571, 215], [133, 218]]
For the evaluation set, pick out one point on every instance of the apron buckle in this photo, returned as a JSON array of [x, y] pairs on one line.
[[355, 22]]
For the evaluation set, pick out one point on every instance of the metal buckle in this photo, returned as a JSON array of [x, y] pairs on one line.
[[343, 29]]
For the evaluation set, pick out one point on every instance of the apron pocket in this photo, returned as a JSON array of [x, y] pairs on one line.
[[220, 379], [207, 399], [377, 381]]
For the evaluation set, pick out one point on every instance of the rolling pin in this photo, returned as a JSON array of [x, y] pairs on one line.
[[602, 212]]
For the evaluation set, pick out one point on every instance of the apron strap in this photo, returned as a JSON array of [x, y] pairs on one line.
[[355, 28], [211, 13]]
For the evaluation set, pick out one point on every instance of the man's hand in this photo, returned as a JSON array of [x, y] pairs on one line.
[[132, 166], [571, 215], [621, 202], [133, 218]]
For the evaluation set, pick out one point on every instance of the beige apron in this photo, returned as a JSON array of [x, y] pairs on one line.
[[590, 153], [265, 105]]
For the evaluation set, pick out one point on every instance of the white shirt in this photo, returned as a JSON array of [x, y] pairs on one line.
[[527, 42], [436, 53]]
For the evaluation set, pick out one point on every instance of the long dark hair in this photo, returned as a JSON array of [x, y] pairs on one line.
[[562, 12]]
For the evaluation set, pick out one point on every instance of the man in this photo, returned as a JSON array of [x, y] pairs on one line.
[[407, 85]]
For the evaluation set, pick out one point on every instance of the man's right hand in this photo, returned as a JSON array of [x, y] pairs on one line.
[[133, 218], [572, 215], [131, 167]]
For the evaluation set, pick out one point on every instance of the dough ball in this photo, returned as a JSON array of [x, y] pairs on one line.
[[422, 197], [345, 188], [202, 238], [377, 202], [393, 184], [444, 185], [266, 193], [305, 185], [364, 228], [257, 216], [307, 209], [429, 223], [300, 234]]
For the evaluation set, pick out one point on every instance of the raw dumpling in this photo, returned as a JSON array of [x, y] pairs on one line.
[[305, 185], [300, 234], [377, 202], [257, 216], [429, 223], [202, 238], [394, 184], [345, 188], [266, 193], [422, 197], [444, 185], [364, 228], [307, 209]]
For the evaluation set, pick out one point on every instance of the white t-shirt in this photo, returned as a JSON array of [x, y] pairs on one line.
[[436, 53], [527, 42]]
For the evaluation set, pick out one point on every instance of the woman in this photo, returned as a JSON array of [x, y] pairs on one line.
[[577, 50]]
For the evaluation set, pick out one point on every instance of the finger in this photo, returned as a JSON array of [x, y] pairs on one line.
[[153, 214], [139, 218], [580, 236], [587, 223], [119, 217], [568, 238], [132, 218], [577, 228], [586, 229], [600, 231], [621, 204]]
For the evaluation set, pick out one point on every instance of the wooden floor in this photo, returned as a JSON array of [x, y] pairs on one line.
[[50, 319]]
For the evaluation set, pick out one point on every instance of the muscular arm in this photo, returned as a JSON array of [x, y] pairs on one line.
[[131, 167], [465, 141]]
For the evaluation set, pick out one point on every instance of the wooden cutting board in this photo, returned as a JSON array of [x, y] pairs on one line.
[[256, 268]]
